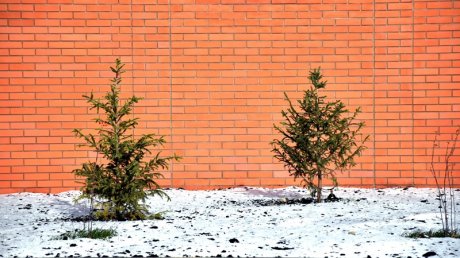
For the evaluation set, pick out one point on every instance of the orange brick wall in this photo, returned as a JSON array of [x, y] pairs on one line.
[[212, 74]]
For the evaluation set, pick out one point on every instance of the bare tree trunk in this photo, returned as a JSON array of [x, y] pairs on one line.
[[320, 188]]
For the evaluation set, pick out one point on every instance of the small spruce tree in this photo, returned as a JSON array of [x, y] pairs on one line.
[[319, 139], [125, 181]]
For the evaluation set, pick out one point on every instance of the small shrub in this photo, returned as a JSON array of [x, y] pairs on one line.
[[318, 139], [96, 233], [120, 184], [444, 179]]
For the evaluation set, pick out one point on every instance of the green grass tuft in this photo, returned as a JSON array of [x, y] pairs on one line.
[[433, 233], [157, 216], [96, 233]]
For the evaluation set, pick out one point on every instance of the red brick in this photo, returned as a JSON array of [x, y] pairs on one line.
[[229, 75]]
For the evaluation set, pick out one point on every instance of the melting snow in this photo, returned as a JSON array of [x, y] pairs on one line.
[[231, 223]]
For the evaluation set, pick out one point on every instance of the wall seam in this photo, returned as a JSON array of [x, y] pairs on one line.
[[171, 167], [412, 93], [132, 60], [373, 97]]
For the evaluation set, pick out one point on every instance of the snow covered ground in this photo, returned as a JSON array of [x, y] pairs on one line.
[[235, 222]]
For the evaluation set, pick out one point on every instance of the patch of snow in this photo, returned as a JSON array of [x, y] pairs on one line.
[[224, 223]]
